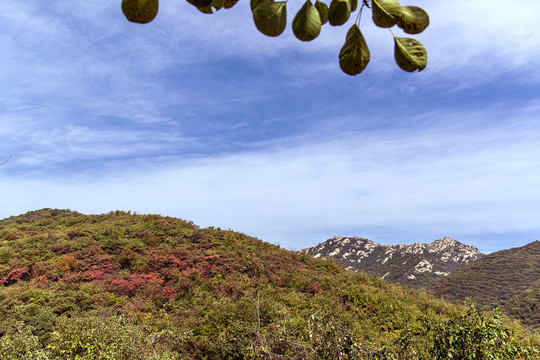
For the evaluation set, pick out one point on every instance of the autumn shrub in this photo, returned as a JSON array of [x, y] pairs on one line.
[[15, 275], [67, 263], [10, 236]]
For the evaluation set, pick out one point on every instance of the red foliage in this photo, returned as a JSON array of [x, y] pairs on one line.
[[95, 274], [183, 254], [11, 236], [314, 288], [84, 276], [208, 270], [159, 262], [15, 276], [169, 293], [103, 262], [135, 281], [39, 282]]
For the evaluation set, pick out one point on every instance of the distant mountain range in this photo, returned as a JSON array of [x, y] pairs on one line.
[[416, 265], [508, 279]]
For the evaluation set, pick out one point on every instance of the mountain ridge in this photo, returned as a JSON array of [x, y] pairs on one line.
[[415, 265]]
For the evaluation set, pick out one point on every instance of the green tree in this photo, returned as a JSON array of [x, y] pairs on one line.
[[270, 18], [474, 335]]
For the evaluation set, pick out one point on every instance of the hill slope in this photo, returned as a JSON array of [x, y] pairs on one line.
[[125, 286], [415, 265], [509, 279]]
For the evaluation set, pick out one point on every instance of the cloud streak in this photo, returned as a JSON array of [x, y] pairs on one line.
[[442, 180]]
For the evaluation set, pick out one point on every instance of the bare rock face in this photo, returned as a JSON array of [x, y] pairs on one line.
[[415, 265]]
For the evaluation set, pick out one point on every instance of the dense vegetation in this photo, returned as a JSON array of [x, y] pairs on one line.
[[126, 286], [508, 279]]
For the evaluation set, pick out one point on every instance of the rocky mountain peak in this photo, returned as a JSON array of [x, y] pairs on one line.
[[447, 241], [414, 265]]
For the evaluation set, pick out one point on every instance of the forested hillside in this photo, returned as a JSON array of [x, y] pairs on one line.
[[509, 279], [127, 286]]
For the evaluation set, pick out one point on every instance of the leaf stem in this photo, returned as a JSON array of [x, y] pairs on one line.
[[359, 16], [6, 160]]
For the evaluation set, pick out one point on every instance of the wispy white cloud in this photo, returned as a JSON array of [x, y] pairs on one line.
[[478, 41], [440, 180]]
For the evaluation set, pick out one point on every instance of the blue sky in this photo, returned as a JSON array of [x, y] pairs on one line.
[[202, 117]]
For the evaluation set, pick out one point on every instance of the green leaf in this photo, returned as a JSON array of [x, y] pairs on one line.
[[385, 13], [227, 4], [206, 9], [140, 11], [413, 20], [216, 4], [339, 12], [200, 3], [307, 22], [410, 54], [354, 55], [322, 8], [354, 5], [255, 3], [271, 17]]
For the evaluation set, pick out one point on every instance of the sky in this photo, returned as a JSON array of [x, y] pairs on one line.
[[202, 117]]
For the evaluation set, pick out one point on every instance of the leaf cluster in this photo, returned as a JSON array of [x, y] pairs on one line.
[[270, 18], [410, 54]]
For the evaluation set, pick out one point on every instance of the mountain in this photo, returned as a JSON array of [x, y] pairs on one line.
[[508, 279], [415, 265], [128, 286]]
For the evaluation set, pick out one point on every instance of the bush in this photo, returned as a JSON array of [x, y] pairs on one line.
[[111, 338], [22, 345], [476, 336]]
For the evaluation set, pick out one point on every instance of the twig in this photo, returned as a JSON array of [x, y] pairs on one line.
[[10, 156]]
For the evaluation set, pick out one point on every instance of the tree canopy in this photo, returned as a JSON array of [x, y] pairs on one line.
[[270, 18]]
